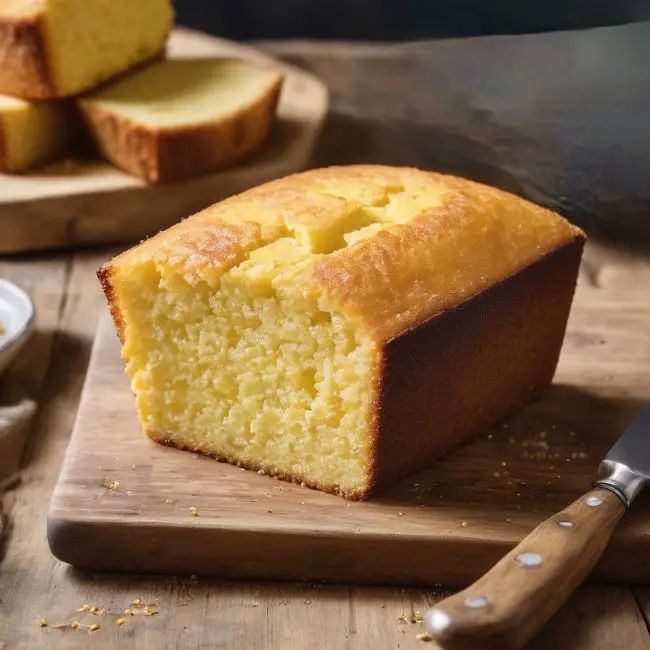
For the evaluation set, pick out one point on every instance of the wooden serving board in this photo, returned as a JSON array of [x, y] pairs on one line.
[[447, 524], [90, 201]]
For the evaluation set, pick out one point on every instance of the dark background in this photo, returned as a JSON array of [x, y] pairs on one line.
[[557, 116], [401, 19]]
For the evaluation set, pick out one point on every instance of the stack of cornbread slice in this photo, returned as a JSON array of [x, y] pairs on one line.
[[64, 63]]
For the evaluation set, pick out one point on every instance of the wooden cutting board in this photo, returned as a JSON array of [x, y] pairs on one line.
[[90, 201], [124, 502]]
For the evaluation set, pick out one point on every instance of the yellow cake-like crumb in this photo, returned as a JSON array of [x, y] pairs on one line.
[[33, 132], [177, 93], [257, 330]]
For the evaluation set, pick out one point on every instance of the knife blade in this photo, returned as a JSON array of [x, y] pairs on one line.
[[507, 606], [625, 470]]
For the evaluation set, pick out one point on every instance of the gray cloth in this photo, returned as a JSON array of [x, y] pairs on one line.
[[14, 428]]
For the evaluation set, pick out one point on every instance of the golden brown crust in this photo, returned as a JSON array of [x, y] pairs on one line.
[[465, 369], [4, 156], [24, 70], [132, 147], [104, 275], [408, 272], [440, 257], [172, 154]]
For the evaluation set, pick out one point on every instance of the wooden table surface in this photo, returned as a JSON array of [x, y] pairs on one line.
[[196, 612]]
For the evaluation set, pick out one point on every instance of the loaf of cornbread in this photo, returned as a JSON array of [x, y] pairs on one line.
[[34, 132], [343, 326], [180, 118], [56, 48]]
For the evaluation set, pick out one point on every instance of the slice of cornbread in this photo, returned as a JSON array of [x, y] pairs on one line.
[[34, 132], [57, 48], [343, 326], [180, 118]]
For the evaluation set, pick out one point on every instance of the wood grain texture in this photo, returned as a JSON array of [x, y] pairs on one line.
[[44, 282], [91, 202], [504, 608], [642, 597], [212, 613], [52, 370], [596, 616], [448, 523]]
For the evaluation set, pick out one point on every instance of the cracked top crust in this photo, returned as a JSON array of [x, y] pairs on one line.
[[390, 247]]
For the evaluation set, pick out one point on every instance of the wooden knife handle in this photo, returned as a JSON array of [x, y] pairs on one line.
[[508, 605]]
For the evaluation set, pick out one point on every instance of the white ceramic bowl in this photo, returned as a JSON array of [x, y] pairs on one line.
[[16, 321]]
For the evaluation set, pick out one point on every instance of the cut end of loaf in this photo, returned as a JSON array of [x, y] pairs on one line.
[[245, 373]]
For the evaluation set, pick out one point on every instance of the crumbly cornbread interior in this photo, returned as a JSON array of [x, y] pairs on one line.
[[185, 92], [257, 330], [33, 131], [236, 356], [87, 42]]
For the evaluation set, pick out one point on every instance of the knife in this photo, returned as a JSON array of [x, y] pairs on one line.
[[507, 606]]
